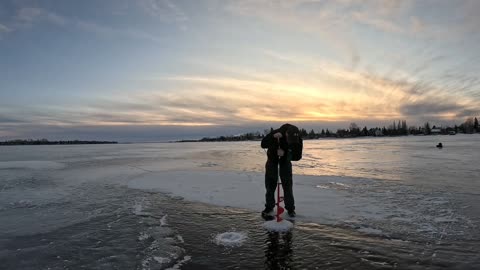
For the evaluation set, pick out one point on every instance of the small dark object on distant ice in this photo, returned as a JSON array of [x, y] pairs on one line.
[[439, 145]]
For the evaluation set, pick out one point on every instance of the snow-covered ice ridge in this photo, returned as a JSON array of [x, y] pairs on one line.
[[370, 206]]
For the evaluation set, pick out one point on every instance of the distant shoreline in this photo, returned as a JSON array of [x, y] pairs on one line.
[[47, 142], [204, 140], [308, 139]]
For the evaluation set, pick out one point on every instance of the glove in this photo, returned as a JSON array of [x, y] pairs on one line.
[[277, 135], [280, 152]]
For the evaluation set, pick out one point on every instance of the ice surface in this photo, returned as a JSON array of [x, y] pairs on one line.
[[367, 205], [162, 243], [282, 226], [32, 165], [391, 185], [219, 188], [370, 231], [231, 239]]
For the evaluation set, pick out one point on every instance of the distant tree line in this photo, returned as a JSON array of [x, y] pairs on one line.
[[251, 136], [47, 142], [355, 131], [470, 126], [399, 128]]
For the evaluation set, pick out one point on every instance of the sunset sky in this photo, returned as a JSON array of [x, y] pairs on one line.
[[151, 70]]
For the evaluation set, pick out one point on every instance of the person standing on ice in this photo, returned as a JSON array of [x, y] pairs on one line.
[[284, 146]]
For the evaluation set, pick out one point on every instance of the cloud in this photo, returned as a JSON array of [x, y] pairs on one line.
[[431, 108], [328, 93], [378, 23], [9, 120], [306, 89], [27, 17], [4, 29], [204, 103], [325, 17], [165, 10], [109, 31], [334, 20], [32, 15]]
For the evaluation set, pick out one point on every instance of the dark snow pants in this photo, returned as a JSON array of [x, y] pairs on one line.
[[271, 176]]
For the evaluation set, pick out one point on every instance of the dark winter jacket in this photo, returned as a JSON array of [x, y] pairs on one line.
[[294, 145]]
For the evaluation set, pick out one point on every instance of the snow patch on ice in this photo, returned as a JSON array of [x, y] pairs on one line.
[[340, 184], [161, 260], [180, 239], [137, 209], [32, 165], [143, 236], [282, 226], [163, 221], [231, 239], [180, 263]]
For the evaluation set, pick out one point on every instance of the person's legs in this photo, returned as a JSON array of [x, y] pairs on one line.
[[271, 176], [287, 184]]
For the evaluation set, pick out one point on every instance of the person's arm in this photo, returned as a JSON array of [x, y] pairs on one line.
[[271, 139], [268, 140]]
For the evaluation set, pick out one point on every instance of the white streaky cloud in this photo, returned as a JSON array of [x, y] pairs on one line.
[[4, 29], [379, 23], [323, 22], [110, 31], [333, 20], [165, 10], [31, 15]]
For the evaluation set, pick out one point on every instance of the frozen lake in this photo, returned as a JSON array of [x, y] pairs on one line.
[[370, 203]]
